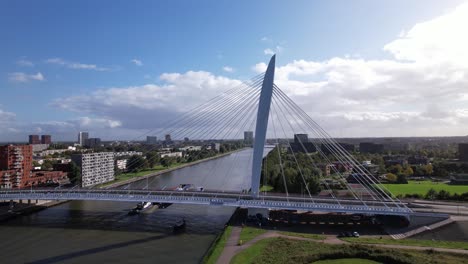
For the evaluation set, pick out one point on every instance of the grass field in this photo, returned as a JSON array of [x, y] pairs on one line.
[[346, 261], [421, 187], [248, 233], [280, 250], [218, 247], [409, 242], [304, 235]]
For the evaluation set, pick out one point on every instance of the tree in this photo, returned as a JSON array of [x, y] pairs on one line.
[[408, 171], [431, 194], [391, 177], [152, 158], [75, 174], [401, 178], [167, 161], [136, 163]]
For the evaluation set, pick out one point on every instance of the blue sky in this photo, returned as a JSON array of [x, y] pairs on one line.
[[54, 51]]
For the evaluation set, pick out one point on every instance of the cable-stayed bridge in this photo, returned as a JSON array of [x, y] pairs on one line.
[[257, 103]]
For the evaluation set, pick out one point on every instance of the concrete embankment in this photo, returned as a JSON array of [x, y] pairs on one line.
[[153, 174], [19, 209]]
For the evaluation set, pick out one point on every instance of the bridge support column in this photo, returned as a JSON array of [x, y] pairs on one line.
[[261, 126]]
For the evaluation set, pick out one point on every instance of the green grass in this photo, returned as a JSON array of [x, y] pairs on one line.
[[266, 188], [304, 235], [281, 250], [215, 251], [346, 261], [251, 252], [421, 187], [248, 233], [409, 242]]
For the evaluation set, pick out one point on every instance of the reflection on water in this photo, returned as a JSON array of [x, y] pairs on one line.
[[102, 232]]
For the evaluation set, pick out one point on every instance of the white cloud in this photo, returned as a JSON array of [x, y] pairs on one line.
[[228, 69], [148, 105], [23, 77], [76, 65], [437, 41], [265, 39], [268, 51], [137, 62], [24, 62]]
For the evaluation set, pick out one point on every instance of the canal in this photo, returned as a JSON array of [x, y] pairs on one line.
[[103, 232]]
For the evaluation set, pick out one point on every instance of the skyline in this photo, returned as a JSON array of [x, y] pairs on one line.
[[376, 78]]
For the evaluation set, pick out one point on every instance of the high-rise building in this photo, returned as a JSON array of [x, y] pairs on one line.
[[95, 168], [463, 152], [16, 164], [93, 142], [82, 138], [34, 139], [168, 139], [46, 139], [301, 144], [301, 138], [248, 137], [151, 140]]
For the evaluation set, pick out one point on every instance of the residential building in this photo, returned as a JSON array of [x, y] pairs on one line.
[[302, 144], [17, 160], [82, 138], [369, 147], [128, 153], [46, 139], [151, 140], [171, 154], [463, 152], [34, 139], [93, 142], [95, 168], [121, 164], [190, 148], [248, 137]]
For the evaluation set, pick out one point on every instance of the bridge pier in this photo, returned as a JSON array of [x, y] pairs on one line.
[[261, 126]]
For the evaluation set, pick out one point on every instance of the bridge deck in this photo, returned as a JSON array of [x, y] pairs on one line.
[[210, 197]]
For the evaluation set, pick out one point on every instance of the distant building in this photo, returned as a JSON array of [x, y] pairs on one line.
[[301, 144], [93, 142], [128, 153], [190, 148], [151, 140], [121, 164], [186, 139], [46, 139], [39, 147], [418, 160], [463, 152], [168, 139], [328, 148], [248, 137], [395, 160], [215, 146], [82, 138], [369, 147], [95, 168], [34, 139], [171, 154]]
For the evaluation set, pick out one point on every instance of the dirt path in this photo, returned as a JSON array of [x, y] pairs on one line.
[[232, 248]]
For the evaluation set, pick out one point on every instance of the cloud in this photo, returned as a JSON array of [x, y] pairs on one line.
[[137, 62], [147, 106], [228, 69], [76, 65], [265, 39], [23, 77], [268, 52], [25, 63], [6, 117]]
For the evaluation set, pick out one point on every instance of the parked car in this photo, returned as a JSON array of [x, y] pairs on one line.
[[355, 234]]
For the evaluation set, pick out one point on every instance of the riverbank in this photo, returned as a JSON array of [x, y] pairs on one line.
[[20, 209], [153, 174]]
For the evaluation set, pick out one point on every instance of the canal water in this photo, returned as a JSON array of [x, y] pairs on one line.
[[103, 232]]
